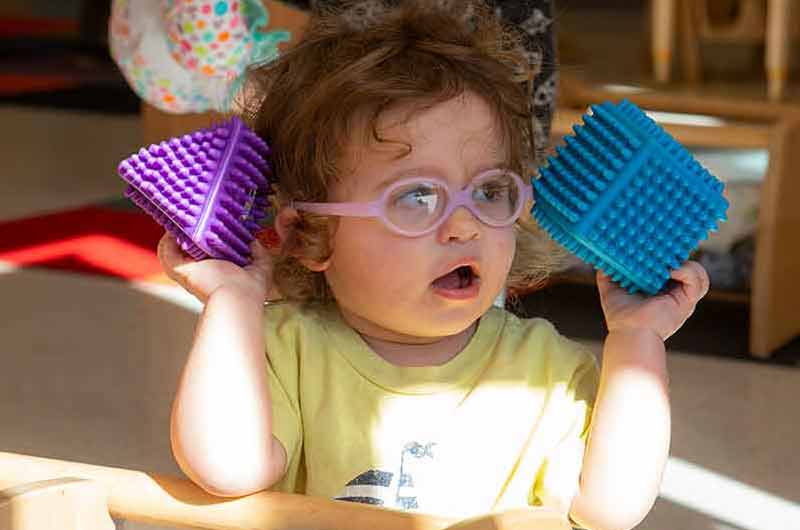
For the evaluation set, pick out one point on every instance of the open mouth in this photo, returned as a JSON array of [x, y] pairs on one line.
[[460, 278]]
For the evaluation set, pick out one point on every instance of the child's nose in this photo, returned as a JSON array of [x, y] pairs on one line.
[[462, 225]]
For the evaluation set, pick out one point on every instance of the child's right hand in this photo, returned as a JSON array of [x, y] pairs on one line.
[[201, 278]]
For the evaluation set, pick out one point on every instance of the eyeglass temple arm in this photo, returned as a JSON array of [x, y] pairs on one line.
[[342, 209]]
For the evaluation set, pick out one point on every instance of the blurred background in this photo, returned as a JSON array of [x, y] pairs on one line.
[[94, 336]]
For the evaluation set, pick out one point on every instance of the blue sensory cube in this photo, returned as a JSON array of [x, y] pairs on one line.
[[626, 197]]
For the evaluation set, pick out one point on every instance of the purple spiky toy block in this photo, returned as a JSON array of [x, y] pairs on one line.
[[208, 188]]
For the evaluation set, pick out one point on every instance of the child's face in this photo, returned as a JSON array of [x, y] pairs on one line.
[[397, 288]]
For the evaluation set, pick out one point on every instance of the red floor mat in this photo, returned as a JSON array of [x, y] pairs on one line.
[[92, 240]]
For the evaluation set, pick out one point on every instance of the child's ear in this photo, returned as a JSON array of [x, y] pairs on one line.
[[284, 221], [284, 224], [315, 266]]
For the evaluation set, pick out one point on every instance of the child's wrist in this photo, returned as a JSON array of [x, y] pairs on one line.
[[637, 331], [635, 334], [634, 330], [249, 293], [640, 348]]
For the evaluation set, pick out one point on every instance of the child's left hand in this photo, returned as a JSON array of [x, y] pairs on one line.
[[664, 313]]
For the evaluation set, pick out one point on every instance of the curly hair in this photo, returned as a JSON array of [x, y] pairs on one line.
[[311, 102]]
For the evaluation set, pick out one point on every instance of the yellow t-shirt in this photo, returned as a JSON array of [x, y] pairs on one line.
[[501, 425]]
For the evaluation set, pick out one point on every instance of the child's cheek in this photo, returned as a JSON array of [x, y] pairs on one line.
[[506, 246]]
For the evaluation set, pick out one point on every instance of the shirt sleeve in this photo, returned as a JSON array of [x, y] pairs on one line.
[[557, 480], [282, 331]]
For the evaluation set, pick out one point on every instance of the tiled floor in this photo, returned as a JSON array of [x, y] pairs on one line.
[[89, 365]]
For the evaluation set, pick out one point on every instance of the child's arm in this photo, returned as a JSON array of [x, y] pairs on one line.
[[221, 425], [628, 443], [629, 438]]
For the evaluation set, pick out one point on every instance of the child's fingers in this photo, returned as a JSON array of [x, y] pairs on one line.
[[259, 251], [168, 250], [260, 254], [603, 280], [261, 261], [694, 280], [170, 254], [605, 286], [604, 283]]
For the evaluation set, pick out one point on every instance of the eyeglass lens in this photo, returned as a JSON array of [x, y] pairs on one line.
[[417, 206]]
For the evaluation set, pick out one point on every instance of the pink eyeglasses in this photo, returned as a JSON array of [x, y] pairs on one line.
[[416, 206]]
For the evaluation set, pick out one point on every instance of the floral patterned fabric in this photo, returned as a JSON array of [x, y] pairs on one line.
[[189, 55]]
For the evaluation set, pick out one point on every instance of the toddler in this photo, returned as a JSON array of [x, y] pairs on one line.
[[403, 153]]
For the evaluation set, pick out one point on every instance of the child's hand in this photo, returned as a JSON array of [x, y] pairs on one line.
[[665, 313], [201, 278]]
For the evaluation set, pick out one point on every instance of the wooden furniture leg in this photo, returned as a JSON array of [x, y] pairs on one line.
[[777, 49], [690, 40], [663, 29], [775, 293], [62, 503]]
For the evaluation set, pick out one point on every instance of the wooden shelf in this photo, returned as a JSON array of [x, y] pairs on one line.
[[747, 122], [732, 134], [742, 101]]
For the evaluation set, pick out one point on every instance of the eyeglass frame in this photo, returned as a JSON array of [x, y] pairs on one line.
[[455, 199]]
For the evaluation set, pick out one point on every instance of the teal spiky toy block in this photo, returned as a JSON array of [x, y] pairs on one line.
[[626, 197]]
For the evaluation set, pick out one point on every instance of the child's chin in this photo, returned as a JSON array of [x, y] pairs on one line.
[[449, 321]]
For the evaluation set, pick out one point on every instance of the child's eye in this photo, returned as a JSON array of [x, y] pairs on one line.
[[491, 192], [417, 197]]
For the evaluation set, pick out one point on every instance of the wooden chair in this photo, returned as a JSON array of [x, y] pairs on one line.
[[706, 21], [64, 503], [43, 494]]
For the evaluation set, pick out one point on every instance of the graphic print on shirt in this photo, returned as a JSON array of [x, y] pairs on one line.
[[398, 488]]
